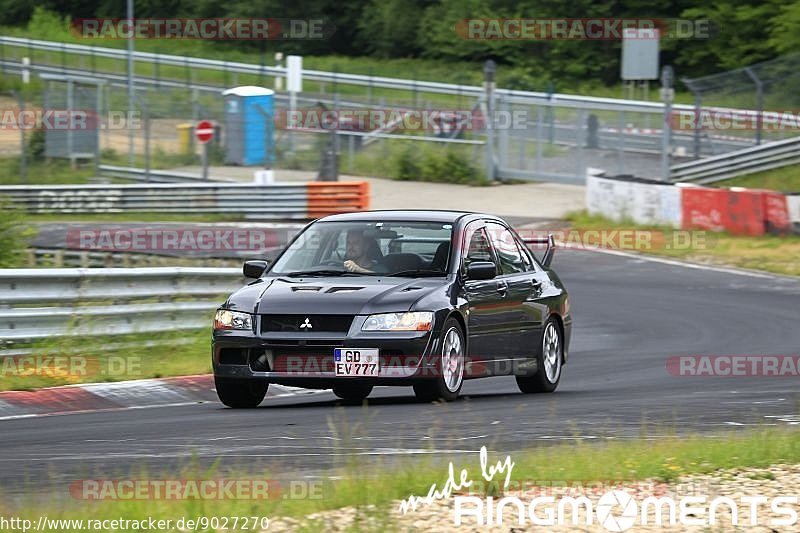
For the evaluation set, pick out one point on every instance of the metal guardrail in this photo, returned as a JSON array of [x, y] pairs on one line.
[[510, 96], [739, 163], [109, 301], [66, 258], [154, 176], [284, 201]]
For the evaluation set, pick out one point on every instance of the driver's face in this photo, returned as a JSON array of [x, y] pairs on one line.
[[355, 245]]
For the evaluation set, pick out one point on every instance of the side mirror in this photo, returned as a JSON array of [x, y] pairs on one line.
[[481, 270], [254, 269]]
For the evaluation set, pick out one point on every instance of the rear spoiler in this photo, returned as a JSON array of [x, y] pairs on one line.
[[548, 241]]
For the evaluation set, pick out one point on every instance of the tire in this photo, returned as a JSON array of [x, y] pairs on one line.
[[352, 392], [549, 361], [240, 393], [446, 385]]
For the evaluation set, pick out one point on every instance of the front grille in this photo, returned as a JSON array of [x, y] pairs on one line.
[[318, 323]]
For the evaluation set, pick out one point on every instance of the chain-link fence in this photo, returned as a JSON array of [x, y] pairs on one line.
[[556, 138], [746, 106]]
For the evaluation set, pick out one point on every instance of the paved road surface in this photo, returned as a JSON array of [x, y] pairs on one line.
[[630, 316]]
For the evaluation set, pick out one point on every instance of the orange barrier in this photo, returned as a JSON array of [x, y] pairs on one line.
[[704, 208], [331, 197], [745, 212], [738, 211]]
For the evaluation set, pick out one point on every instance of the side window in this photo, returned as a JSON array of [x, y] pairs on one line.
[[478, 248], [512, 259], [526, 256]]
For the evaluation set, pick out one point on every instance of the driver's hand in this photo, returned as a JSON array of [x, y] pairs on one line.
[[351, 266]]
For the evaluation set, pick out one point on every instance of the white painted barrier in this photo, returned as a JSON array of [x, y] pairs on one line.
[[627, 199], [794, 211], [645, 202]]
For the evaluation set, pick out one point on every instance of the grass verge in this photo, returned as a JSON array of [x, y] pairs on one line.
[[81, 359], [771, 253], [784, 179], [374, 491]]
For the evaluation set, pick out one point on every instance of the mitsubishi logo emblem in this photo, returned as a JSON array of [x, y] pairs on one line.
[[306, 324]]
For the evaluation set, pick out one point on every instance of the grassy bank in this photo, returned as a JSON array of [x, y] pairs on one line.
[[375, 491], [784, 179], [80, 359], [771, 253]]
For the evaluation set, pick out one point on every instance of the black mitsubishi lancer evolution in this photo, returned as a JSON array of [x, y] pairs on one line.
[[413, 298]]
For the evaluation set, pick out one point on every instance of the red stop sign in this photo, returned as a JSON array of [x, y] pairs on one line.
[[204, 131]]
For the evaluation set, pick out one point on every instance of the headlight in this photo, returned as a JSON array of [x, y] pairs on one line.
[[225, 319], [417, 321]]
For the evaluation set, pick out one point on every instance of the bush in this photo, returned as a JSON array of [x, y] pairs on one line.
[[14, 235], [35, 148], [413, 161], [407, 165]]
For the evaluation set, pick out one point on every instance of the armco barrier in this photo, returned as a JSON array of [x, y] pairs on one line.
[[736, 210], [37, 303], [283, 201]]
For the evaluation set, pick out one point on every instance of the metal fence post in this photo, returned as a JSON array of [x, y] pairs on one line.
[[621, 144], [23, 158], [489, 69], [502, 135], [70, 107], [539, 136], [759, 102], [667, 77]]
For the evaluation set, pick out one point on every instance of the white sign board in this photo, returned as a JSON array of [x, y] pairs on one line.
[[639, 54], [294, 74]]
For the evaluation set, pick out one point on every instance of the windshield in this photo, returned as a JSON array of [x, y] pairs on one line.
[[368, 248]]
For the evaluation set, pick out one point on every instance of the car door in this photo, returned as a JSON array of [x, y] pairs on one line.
[[486, 299], [524, 313]]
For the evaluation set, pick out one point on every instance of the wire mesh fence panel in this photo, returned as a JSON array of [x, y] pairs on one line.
[[552, 142], [744, 107]]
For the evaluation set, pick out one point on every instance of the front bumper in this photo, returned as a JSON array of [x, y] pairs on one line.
[[305, 359]]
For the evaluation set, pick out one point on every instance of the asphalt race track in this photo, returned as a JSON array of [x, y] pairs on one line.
[[630, 315]]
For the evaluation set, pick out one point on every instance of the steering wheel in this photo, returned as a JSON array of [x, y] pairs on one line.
[[331, 262]]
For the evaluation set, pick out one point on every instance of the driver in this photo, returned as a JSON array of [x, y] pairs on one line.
[[357, 258]]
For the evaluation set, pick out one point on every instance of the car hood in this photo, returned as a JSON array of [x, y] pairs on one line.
[[338, 295]]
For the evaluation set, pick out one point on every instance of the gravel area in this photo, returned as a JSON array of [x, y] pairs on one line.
[[772, 482]]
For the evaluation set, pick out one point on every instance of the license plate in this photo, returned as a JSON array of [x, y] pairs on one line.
[[356, 362]]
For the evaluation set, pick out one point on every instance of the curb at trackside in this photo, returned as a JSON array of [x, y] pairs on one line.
[[135, 394]]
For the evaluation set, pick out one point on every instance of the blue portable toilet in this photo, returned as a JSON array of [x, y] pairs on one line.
[[249, 112]]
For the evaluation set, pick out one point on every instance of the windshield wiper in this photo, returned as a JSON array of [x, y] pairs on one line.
[[322, 272], [418, 272]]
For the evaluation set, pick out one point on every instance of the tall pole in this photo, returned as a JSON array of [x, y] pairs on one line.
[[489, 69], [667, 95], [130, 82]]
